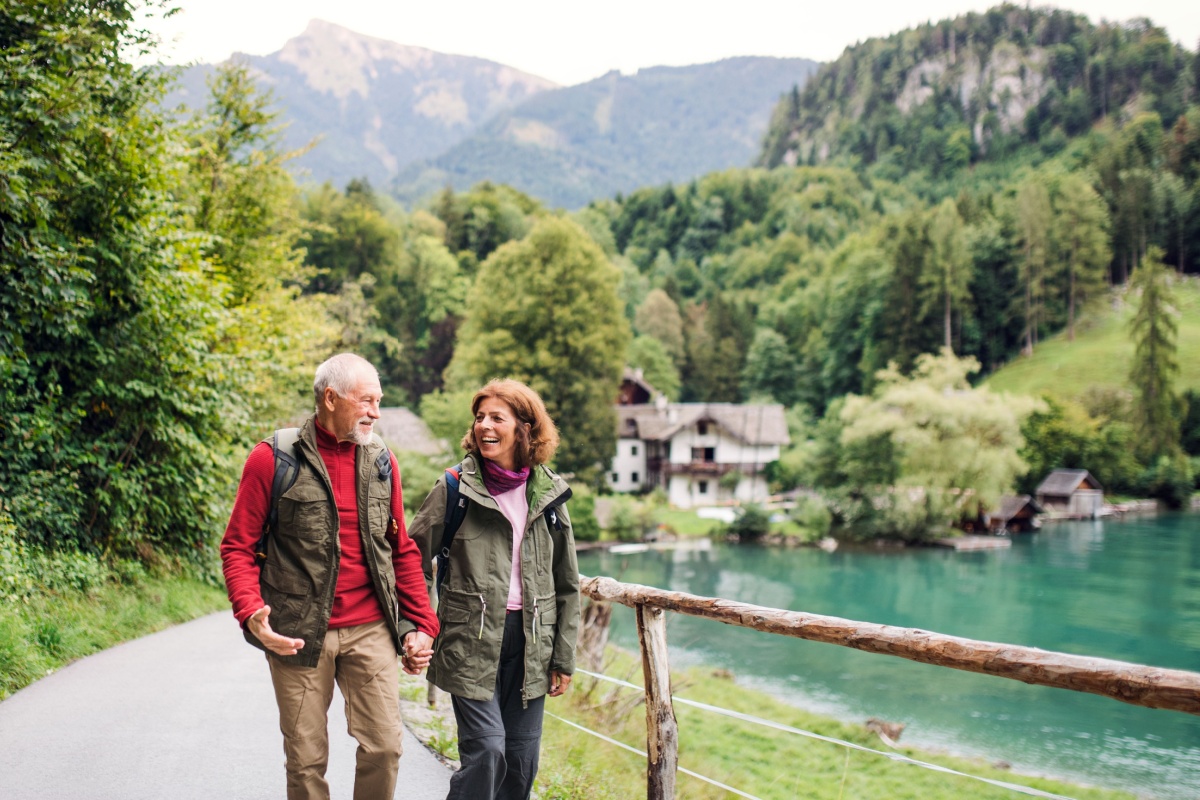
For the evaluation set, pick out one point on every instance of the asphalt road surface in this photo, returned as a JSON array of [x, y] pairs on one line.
[[184, 713]]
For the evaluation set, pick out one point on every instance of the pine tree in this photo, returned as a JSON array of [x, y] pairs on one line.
[[1155, 363], [1033, 219], [948, 282], [1081, 233]]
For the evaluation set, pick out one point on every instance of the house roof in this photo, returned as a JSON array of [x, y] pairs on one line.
[[751, 424], [404, 430], [1064, 482], [637, 377], [1011, 505]]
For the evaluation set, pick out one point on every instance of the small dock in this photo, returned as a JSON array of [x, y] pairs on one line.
[[975, 542]]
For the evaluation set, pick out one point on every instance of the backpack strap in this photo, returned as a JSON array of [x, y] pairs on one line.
[[456, 512], [287, 467], [553, 518]]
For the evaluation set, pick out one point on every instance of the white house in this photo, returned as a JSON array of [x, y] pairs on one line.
[[701, 454]]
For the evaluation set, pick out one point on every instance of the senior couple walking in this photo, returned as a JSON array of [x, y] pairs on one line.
[[326, 578]]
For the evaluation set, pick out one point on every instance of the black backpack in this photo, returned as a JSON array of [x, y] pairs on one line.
[[287, 467], [456, 512]]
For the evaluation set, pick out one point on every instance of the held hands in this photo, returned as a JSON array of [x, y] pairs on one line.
[[418, 651], [261, 628], [559, 682]]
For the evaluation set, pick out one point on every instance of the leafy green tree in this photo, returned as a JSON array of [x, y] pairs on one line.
[[718, 338], [1080, 230], [658, 316], [482, 219], [544, 310], [239, 185], [905, 329], [771, 368], [1063, 434], [949, 278], [649, 355], [243, 198], [1155, 366], [1033, 220], [952, 450], [1190, 427], [121, 390]]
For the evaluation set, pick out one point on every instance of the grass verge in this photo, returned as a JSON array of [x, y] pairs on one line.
[[46, 630]]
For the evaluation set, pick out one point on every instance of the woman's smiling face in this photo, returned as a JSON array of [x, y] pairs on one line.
[[496, 432]]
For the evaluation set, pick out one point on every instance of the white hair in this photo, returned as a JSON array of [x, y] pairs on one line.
[[341, 373]]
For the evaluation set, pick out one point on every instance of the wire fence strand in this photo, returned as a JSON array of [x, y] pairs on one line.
[[897, 757], [642, 753]]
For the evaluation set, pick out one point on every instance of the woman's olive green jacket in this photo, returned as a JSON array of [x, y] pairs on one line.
[[475, 592]]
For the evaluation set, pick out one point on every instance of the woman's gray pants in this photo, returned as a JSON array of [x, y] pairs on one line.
[[498, 741]]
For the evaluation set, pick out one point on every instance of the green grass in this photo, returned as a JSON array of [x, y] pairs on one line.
[[685, 523], [1102, 351], [47, 630], [757, 760]]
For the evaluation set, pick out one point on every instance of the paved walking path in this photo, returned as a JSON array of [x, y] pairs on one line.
[[184, 713]]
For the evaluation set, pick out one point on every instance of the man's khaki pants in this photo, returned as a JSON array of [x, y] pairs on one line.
[[363, 661]]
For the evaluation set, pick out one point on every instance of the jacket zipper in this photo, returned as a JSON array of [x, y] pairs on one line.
[[482, 615]]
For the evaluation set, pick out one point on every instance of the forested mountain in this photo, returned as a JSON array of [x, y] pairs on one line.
[[618, 132], [376, 106], [979, 86]]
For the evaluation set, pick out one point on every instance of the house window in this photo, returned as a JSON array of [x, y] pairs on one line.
[[702, 487], [702, 428], [633, 450], [707, 454], [616, 477], [633, 477]]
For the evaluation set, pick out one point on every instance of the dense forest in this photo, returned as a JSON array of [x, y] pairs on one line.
[[167, 286]]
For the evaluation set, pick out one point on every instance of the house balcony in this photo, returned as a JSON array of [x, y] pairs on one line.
[[709, 468]]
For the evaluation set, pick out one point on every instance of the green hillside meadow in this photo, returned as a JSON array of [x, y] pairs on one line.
[[1102, 351]]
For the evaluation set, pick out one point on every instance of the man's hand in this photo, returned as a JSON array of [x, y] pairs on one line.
[[261, 628], [559, 681], [418, 651]]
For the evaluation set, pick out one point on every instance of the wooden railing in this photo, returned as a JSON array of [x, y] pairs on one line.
[[1172, 689]]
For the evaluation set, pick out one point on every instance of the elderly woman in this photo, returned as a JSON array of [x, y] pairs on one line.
[[509, 599]]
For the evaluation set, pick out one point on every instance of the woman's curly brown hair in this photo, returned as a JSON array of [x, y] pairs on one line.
[[535, 444]]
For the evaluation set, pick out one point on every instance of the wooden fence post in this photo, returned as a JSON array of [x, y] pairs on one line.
[[662, 731]]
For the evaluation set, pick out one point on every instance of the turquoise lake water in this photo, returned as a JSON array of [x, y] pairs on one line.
[[1122, 589]]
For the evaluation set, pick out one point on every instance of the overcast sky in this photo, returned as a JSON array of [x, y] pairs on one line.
[[570, 42]]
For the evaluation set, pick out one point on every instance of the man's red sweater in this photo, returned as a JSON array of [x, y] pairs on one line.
[[354, 600]]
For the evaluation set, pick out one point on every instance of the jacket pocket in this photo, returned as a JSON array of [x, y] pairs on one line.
[[546, 628], [455, 649]]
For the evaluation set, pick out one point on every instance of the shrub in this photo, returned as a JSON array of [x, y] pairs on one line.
[[623, 522], [751, 524], [1170, 480], [582, 509], [813, 517]]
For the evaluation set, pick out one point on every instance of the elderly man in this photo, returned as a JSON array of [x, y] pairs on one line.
[[325, 579]]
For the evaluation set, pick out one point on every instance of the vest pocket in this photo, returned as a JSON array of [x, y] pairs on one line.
[[289, 597], [305, 519]]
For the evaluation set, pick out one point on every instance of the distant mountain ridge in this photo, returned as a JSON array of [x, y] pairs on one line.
[[619, 132], [977, 87], [417, 120], [376, 105]]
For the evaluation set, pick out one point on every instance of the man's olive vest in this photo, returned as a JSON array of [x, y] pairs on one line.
[[300, 573]]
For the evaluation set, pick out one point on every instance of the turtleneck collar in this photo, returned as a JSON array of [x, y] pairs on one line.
[[327, 440]]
